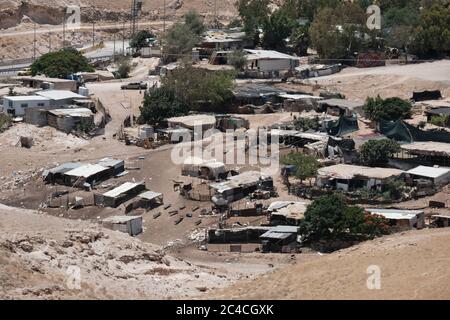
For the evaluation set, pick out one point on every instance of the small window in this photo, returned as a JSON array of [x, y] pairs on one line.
[[10, 104], [24, 105], [41, 104]]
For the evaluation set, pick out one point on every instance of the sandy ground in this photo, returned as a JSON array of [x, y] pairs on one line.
[[413, 265]]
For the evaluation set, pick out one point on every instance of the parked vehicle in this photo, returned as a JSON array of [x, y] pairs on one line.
[[135, 86]]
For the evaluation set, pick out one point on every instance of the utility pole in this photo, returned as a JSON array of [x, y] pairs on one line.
[[34, 43], [64, 31], [93, 26], [164, 16], [123, 38]]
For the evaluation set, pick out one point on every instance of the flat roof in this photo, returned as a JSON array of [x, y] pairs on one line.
[[127, 186], [26, 98], [60, 94], [267, 54], [150, 195], [428, 148], [429, 172], [394, 214], [110, 162], [66, 167], [439, 111], [86, 171], [191, 121], [348, 172], [72, 112], [44, 79], [342, 103], [249, 177], [299, 96], [121, 219]]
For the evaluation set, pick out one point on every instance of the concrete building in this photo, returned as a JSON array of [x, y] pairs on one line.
[[67, 120], [351, 178], [46, 83], [17, 105], [126, 224]]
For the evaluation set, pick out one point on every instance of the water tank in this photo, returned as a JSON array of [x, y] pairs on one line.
[[83, 91]]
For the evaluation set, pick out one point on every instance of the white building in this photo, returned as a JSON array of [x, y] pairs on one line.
[[60, 98], [16, 105], [438, 176], [402, 219], [268, 61]]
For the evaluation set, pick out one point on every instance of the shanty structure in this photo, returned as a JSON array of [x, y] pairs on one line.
[[225, 39], [440, 221], [351, 178], [436, 152], [67, 120], [115, 166], [60, 98], [89, 174], [299, 102], [280, 239], [126, 224], [150, 199], [269, 62], [57, 174], [256, 94], [438, 112], [227, 122], [205, 169], [119, 195], [39, 82], [237, 187], [16, 106], [287, 212], [340, 107], [205, 122], [437, 175], [401, 219]]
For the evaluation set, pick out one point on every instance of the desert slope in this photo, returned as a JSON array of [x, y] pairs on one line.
[[414, 265]]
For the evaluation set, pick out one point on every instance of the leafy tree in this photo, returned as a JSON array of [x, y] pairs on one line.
[[124, 68], [61, 64], [306, 165], [336, 33], [391, 109], [305, 124], [377, 152], [195, 87], [254, 14], [194, 22], [433, 34], [5, 121], [393, 189], [11, 92], [329, 218], [160, 104], [238, 59], [440, 121], [277, 28], [300, 40], [140, 39]]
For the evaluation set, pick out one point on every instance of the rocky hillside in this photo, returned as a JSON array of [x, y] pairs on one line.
[[43, 257], [51, 11]]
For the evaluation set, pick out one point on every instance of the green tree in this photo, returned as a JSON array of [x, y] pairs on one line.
[[254, 14], [238, 59], [277, 28], [124, 67], [306, 165], [11, 92], [140, 40], [194, 22], [5, 121], [391, 109], [300, 40], [195, 87], [329, 218], [160, 104], [440, 121], [433, 34], [305, 124], [61, 64], [179, 41], [377, 152], [336, 32]]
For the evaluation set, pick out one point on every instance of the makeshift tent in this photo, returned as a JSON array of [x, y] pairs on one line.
[[403, 132], [343, 126], [427, 95]]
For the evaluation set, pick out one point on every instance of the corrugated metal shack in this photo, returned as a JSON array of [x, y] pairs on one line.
[[67, 120], [119, 195]]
